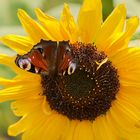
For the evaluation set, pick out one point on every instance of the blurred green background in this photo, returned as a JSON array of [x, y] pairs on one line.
[[9, 23]]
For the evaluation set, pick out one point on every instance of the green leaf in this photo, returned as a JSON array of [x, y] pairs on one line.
[[107, 8], [136, 36]]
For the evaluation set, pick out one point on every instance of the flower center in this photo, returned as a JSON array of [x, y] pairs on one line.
[[89, 91]]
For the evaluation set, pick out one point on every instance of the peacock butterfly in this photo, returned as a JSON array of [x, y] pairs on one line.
[[50, 57]]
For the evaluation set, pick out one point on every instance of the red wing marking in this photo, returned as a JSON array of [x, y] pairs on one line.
[[37, 60]]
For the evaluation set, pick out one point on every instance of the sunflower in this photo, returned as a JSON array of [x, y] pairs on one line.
[[93, 95]]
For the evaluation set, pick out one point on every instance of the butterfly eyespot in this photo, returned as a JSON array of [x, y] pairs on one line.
[[68, 49], [24, 64], [40, 50], [71, 68]]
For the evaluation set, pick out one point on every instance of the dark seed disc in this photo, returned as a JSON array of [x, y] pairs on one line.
[[89, 91]]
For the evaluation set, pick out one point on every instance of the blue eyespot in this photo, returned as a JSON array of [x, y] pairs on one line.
[[24, 64], [72, 68]]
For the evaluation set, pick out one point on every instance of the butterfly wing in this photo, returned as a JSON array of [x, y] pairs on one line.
[[41, 58], [50, 57], [64, 56]]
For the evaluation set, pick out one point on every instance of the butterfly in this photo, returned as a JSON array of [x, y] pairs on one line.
[[49, 57]]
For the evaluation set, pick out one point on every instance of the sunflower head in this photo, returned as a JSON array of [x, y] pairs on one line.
[[74, 79]]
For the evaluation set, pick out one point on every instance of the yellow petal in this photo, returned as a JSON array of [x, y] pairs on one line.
[[97, 129], [131, 95], [20, 108], [113, 25], [83, 131], [21, 90], [50, 24], [9, 61], [122, 41], [70, 133], [7, 82], [89, 20], [19, 127], [127, 63], [45, 106], [37, 125], [30, 121], [20, 44], [33, 29], [68, 23], [124, 123], [53, 127], [34, 133], [102, 129], [108, 131]]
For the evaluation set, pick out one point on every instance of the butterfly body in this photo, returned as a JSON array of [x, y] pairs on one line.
[[50, 57]]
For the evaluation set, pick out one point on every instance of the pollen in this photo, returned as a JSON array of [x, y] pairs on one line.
[[89, 91]]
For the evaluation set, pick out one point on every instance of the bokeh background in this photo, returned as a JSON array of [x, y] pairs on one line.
[[9, 24]]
